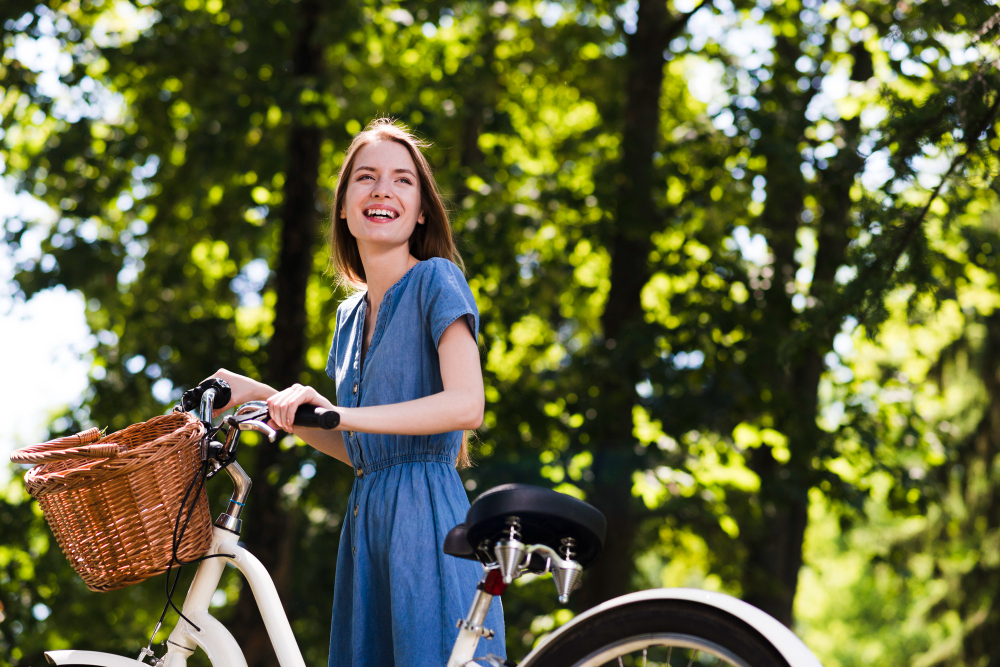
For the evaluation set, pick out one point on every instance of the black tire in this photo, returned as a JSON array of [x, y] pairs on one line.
[[673, 622]]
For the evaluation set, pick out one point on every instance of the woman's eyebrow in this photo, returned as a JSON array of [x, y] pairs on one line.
[[401, 170]]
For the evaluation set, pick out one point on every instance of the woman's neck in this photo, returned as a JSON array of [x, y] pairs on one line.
[[383, 268]]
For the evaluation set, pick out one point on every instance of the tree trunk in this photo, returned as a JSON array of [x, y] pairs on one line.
[[629, 241], [774, 544], [977, 458], [270, 528]]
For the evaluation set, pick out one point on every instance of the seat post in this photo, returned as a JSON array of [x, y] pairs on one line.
[[470, 628]]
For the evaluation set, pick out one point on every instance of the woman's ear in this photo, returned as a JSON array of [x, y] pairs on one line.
[[420, 218], [343, 214]]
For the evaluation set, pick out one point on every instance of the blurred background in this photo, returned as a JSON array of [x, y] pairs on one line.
[[736, 263]]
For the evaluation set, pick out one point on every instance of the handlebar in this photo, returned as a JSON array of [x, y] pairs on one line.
[[215, 393], [253, 416], [317, 417]]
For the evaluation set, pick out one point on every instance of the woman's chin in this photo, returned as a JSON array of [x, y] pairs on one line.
[[383, 242]]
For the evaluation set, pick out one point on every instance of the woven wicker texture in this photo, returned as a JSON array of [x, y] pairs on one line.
[[112, 502]]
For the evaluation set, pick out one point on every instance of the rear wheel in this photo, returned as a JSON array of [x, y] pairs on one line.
[[660, 633]]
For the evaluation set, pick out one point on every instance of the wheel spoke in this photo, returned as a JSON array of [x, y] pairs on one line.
[[657, 650]]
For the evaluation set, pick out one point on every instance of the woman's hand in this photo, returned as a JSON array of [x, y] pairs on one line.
[[244, 389], [282, 405]]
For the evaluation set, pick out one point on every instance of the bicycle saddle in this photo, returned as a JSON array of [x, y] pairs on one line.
[[545, 516]]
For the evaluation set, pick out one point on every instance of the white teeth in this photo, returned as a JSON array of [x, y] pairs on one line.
[[380, 212]]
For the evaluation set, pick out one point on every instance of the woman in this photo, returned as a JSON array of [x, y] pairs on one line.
[[409, 382]]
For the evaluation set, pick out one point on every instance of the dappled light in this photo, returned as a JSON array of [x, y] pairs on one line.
[[736, 263]]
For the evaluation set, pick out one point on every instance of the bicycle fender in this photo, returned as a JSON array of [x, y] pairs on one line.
[[90, 658], [791, 648]]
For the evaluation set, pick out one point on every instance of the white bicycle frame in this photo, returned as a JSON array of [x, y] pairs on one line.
[[207, 633], [202, 630], [222, 649]]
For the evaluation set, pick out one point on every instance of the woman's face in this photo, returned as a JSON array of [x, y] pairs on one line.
[[382, 203]]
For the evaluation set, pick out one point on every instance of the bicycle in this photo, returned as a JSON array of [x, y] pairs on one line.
[[512, 530]]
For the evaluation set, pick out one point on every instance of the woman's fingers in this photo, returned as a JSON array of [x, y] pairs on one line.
[[275, 409], [282, 406], [292, 402], [288, 410]]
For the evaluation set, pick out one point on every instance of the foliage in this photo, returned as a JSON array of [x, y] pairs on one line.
[[672, 218], [920, 558]]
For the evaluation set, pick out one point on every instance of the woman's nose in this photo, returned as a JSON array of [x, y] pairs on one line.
[[381, 188]]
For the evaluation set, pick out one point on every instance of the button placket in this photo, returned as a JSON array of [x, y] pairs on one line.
[[359, 369], [357, 528]]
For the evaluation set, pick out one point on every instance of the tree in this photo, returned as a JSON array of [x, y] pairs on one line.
[[640, 350]]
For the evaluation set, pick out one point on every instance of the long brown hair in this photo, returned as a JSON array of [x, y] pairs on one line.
[[431, 239]]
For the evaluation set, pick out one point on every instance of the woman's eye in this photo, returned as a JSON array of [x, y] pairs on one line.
[[407, 181], [364, 176]]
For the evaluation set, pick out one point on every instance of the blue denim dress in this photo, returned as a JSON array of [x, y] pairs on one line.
[[397, 596]]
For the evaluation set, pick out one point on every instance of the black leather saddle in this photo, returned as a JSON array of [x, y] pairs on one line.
[[545, 517]]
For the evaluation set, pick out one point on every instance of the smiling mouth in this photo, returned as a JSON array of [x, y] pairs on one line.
[[377, 213]]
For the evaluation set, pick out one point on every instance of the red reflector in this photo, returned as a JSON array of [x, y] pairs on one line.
[[494, 584]]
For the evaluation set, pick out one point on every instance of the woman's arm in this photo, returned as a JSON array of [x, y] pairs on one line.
[[244, 389], [330, 443], [458, 407]]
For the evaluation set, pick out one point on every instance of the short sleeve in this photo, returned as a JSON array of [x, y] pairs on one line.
[[447, 297]]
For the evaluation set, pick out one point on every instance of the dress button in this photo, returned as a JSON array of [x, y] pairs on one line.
[[355, 387], [360, 472], [355, 510], [354, 550]]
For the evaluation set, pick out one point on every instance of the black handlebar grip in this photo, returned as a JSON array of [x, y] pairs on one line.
[[311, 415], [192, 397], [223, 392]]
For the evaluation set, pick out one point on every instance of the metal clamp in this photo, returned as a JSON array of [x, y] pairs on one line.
[[148, 653], [475, 629]]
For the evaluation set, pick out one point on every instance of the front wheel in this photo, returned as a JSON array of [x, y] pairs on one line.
[[665, 633]]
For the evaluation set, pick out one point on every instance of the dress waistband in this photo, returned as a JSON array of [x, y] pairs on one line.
[[405, 458]]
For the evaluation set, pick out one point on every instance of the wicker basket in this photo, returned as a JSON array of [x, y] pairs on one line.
[[112, 502]]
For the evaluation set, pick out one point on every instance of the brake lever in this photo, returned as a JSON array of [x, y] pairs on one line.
[[253, 421], [253, 407], [257, 425], [247, 415]]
